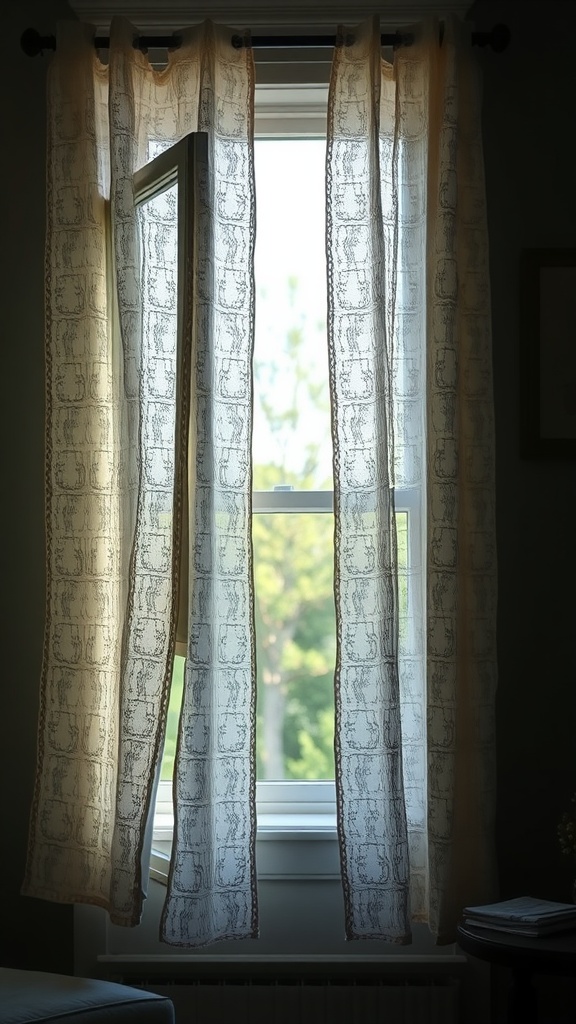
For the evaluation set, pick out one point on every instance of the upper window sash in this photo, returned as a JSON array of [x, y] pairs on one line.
[[290, 111]]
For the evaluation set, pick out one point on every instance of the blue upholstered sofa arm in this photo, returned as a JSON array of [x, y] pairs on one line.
[[31, 997]]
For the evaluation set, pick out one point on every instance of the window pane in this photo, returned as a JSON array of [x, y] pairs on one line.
[[173, 717], [295, 644], [291, 408], [293, 552], [158, 226]]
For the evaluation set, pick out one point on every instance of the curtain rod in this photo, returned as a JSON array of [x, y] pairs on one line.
[[34, 44]]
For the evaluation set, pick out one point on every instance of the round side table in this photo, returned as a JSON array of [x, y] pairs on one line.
[[525, 957]]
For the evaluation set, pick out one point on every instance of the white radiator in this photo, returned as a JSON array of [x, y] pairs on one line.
[[416, 1000]]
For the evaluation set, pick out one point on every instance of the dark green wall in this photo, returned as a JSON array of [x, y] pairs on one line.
[[32, 933], [529, 115]]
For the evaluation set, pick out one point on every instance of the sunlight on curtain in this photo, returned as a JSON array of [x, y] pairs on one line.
[[411, 389], [116, 490], [410, 358]]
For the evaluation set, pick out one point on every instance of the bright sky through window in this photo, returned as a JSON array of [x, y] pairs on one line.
[[291, 363]]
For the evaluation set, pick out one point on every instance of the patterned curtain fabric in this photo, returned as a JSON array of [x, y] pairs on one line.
[[148, 462], [410, 369], [127, 407]]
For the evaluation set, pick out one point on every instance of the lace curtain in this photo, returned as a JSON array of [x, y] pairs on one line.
[[410, 366], [148, 452], [117, 489]]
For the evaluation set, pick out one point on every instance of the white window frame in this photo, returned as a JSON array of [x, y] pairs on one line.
[[296, 818], [288, 106]]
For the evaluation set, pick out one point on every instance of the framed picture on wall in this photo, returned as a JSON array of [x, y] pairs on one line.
[[548, 353]]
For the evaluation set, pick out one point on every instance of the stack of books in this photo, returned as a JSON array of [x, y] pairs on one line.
[[523, 916]]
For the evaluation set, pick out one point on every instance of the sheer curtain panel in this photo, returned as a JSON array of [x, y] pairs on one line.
[[411, 380], [148, 440]]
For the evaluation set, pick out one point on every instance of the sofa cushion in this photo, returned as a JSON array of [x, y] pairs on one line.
[[34, 996]]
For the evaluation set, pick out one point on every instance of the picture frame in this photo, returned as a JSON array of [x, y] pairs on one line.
[[548, 353]]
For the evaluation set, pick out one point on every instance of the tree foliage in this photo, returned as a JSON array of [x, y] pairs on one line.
[[293, 572]]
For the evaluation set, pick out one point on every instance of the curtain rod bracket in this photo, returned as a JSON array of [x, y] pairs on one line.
[[498, 38]]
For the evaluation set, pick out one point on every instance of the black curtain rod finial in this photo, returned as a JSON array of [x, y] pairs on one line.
[[34, 44]]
